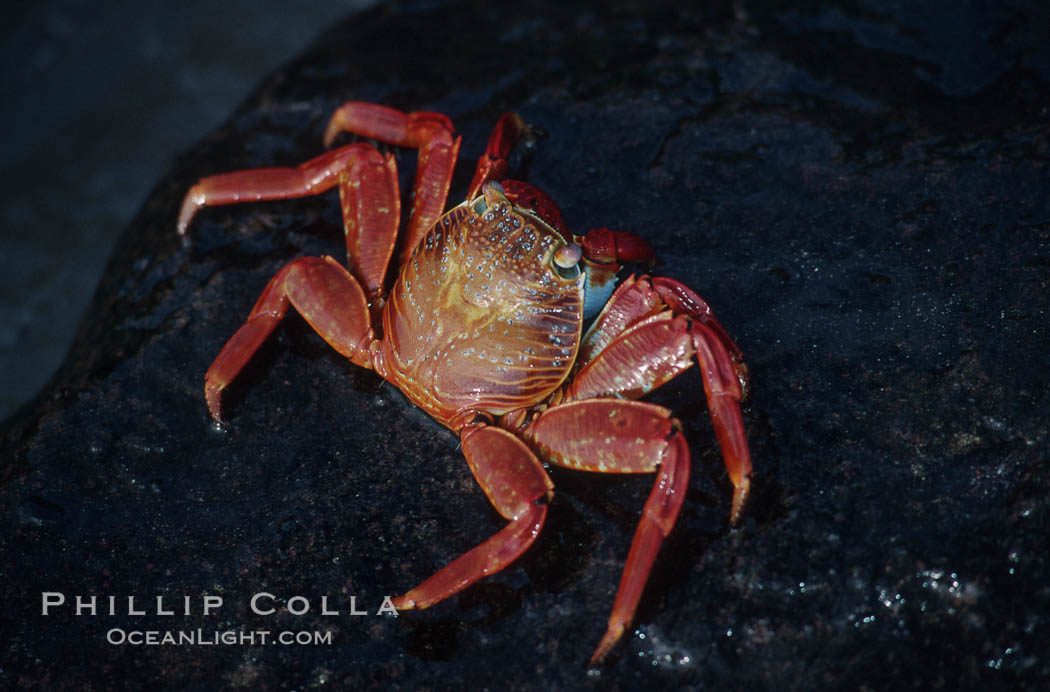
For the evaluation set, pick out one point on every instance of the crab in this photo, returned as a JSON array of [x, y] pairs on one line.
[[482, 327]]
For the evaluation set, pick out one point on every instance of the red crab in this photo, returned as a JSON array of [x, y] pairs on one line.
[[482, 327]]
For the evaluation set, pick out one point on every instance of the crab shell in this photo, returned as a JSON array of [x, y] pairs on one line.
[[482, 318]]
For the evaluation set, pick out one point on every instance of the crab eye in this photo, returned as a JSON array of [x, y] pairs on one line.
[[566, 258]]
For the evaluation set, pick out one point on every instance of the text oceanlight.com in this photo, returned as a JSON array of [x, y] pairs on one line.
[[118, 637]]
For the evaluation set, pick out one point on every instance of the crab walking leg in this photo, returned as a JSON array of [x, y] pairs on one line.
[[632, 301], [637, 298], [368, 190], [518, 487], [492, 165], [324, 293], [371, 202], [657, 349], [637, 361], [649, 332], [622, 437], [658, 519], [724, 392], [311, 178], [686, 302], [431, 133]]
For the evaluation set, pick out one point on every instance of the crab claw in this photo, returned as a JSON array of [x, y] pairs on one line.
[[604, 254], [604, 246]]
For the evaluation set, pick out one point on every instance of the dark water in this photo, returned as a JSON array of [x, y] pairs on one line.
[[99, 97]]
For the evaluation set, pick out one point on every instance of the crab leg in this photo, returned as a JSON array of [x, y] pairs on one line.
[[637, 298], [324, 293], [686, 302], [311, 178], [368, 189], [653, 346], [622, 437], [518, 487], [371, 202], [431, 133], [492, 165]]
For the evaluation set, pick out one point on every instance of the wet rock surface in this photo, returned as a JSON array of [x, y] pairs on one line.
[[860, 193]]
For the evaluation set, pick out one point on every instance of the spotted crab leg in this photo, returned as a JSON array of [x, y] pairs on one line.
[[650, 331], [368, 190], [518, 487], [324, 293], [613, 436], [637, 298], [431, 133]]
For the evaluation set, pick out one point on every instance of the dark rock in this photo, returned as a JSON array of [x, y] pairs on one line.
[[861, 194]]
